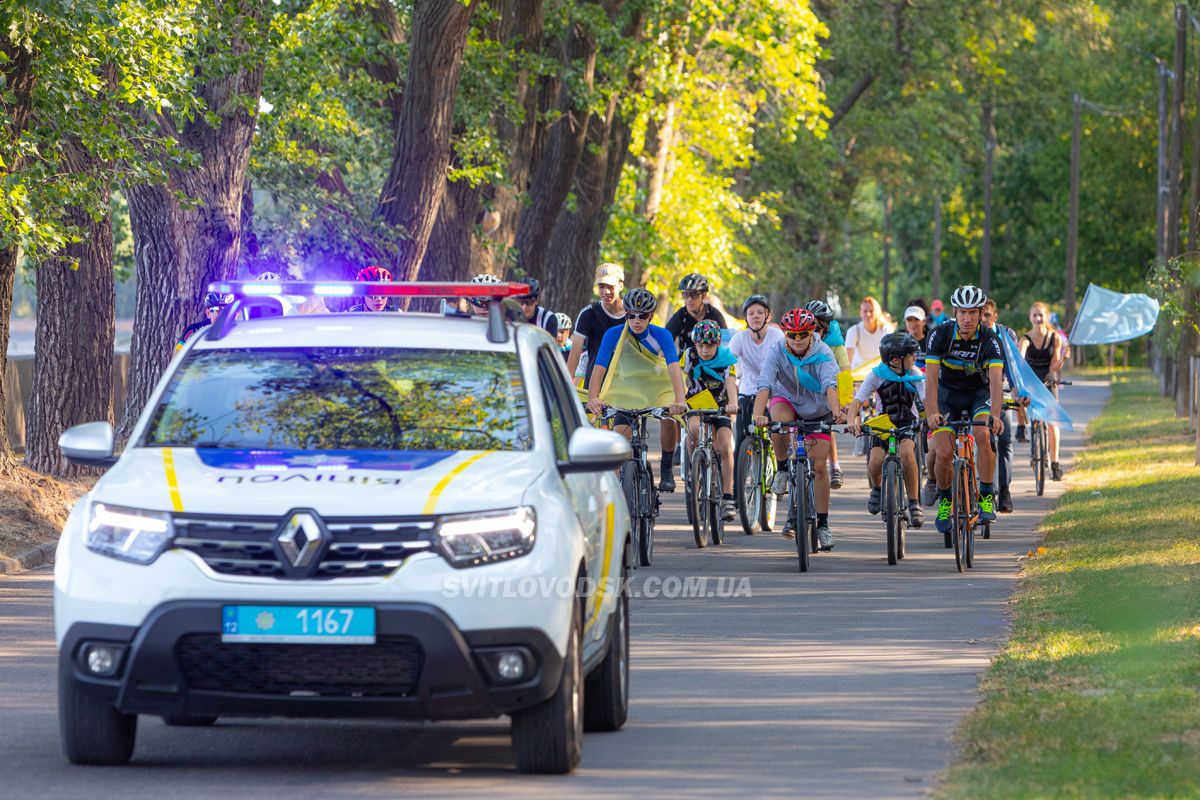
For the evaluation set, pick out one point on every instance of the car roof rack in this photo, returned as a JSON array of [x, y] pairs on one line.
[[267, 298]]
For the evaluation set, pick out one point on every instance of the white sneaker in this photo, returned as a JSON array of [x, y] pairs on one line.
[[780, 483], [824, 538]]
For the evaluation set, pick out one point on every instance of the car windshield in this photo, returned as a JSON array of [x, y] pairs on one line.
[[344, 399]]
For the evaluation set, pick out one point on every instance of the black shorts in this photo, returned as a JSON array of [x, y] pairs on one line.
[[974, 403]]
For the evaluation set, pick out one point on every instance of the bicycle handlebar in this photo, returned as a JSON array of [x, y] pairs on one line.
[[801, 426], [611, 411], [704, 412]]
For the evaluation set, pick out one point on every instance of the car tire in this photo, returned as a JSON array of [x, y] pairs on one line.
[[188, 721], [548, 738], [606, 691], [91, 730]]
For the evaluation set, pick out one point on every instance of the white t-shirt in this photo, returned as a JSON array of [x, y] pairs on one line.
[[751, 355], [864, 343]]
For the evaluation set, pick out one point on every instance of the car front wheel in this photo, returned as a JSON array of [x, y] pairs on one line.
[[548, 738], [91, 730]]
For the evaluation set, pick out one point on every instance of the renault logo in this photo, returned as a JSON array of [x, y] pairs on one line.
[[301, 538]]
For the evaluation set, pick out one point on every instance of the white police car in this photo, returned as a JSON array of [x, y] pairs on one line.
[[351, 515]]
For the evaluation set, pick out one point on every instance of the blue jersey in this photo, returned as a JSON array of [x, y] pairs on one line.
[[655, 339]]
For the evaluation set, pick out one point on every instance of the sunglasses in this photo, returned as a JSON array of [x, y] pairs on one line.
[[631, 315], [215, 309], [692, 295], [527, 301], [798, 336]]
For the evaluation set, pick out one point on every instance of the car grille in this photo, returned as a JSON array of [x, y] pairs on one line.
[[360, 548], [389, 668]]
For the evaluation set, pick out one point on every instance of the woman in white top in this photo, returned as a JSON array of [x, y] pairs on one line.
[[862, 340], [751, 347]]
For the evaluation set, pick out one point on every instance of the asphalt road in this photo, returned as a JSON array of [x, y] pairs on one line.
[[847, 681]]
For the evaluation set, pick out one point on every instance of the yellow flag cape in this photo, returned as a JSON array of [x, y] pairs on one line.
[[636, 377]]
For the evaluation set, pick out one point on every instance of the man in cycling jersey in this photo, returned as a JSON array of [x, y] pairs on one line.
[[214, 303], [751, 347], [373, 303], [710, 367], [830, 332], [964, 372], [639, 305], [596, 319], [694, 289], [536, 314], [799, 381], [900, 387]]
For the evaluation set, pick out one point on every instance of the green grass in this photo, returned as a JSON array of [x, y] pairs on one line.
[[1097, 694]]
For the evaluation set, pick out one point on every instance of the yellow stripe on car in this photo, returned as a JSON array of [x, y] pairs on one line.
[[609, 520], [172, 479], [431, 503]]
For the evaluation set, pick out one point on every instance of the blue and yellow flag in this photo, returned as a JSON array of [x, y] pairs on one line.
[[636, 377]]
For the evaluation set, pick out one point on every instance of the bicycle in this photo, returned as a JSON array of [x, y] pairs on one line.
[[1039, 444], [704, 490], [802, 506], [894, 506], [754, 471], [964, 494], [637, 481]]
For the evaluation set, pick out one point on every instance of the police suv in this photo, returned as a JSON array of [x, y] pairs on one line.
[[350, 515]]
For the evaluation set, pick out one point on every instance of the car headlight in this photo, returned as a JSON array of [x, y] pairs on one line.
[[468, 540], [127, 533]]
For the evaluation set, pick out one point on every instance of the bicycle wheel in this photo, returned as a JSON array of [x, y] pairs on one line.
[[716, 493], [628, 477], [970, 517], [1041, 445], [888, 510], [770, 503], [798, 512], [958, 514], [646, 511], [697, 502], [811, 505], [747, 480]]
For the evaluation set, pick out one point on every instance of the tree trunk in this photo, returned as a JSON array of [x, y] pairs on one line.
[[935, 289], [413, 191], [559, 158], [179, 248], [448, 257], [17, 78], [989, 150], [887, 246], [662, 154], [73, 361]]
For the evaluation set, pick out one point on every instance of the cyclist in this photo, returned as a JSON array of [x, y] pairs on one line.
[[640, 305], [694, 288], [831, 334], [597, 318], [372, 302], [1042, 349], [213, 304], [900, 387], [710, 367], [799, 381], [1004, 443], [564, 333], [536, 314], [751, 346], [964, 372]]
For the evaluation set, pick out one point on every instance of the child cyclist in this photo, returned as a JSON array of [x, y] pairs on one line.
[[707, 366], [799, 379], [900, 387]]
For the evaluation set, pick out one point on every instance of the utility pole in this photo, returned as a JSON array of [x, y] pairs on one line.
[[1160, 238], [989, 147], [887, 244], [1175, 168], [1073, 215], [935, 286]]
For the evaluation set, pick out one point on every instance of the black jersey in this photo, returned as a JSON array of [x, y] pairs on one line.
[[964, 363], [681, 323]]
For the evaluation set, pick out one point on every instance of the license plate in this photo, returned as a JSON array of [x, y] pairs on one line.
[[298, 624]]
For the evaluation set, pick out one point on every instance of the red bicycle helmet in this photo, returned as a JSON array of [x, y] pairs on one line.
[[798, 319], [373, 273]]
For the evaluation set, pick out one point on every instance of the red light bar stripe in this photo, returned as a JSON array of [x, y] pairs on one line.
[[375, 288]]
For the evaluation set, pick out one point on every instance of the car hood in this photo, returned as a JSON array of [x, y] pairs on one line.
[[334, 483]]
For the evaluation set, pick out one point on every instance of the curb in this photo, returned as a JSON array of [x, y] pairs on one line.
[[30, 559]]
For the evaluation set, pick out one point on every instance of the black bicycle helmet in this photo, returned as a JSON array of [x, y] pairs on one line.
[[756, 299], [535, 288], [694, 282], [897, 345], [820, 310], [640, 301]]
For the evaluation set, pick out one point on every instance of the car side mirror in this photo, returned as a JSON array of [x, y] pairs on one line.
[[594, 450], [88, 445]]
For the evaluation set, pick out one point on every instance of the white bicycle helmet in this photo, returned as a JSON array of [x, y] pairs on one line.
[[564, 321], [968, 297], [482, 302]]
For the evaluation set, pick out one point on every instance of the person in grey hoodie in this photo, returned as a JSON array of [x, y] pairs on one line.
[[799, 381]]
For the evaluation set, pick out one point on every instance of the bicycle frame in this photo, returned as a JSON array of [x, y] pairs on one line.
[[800, 484], [704, 478]]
